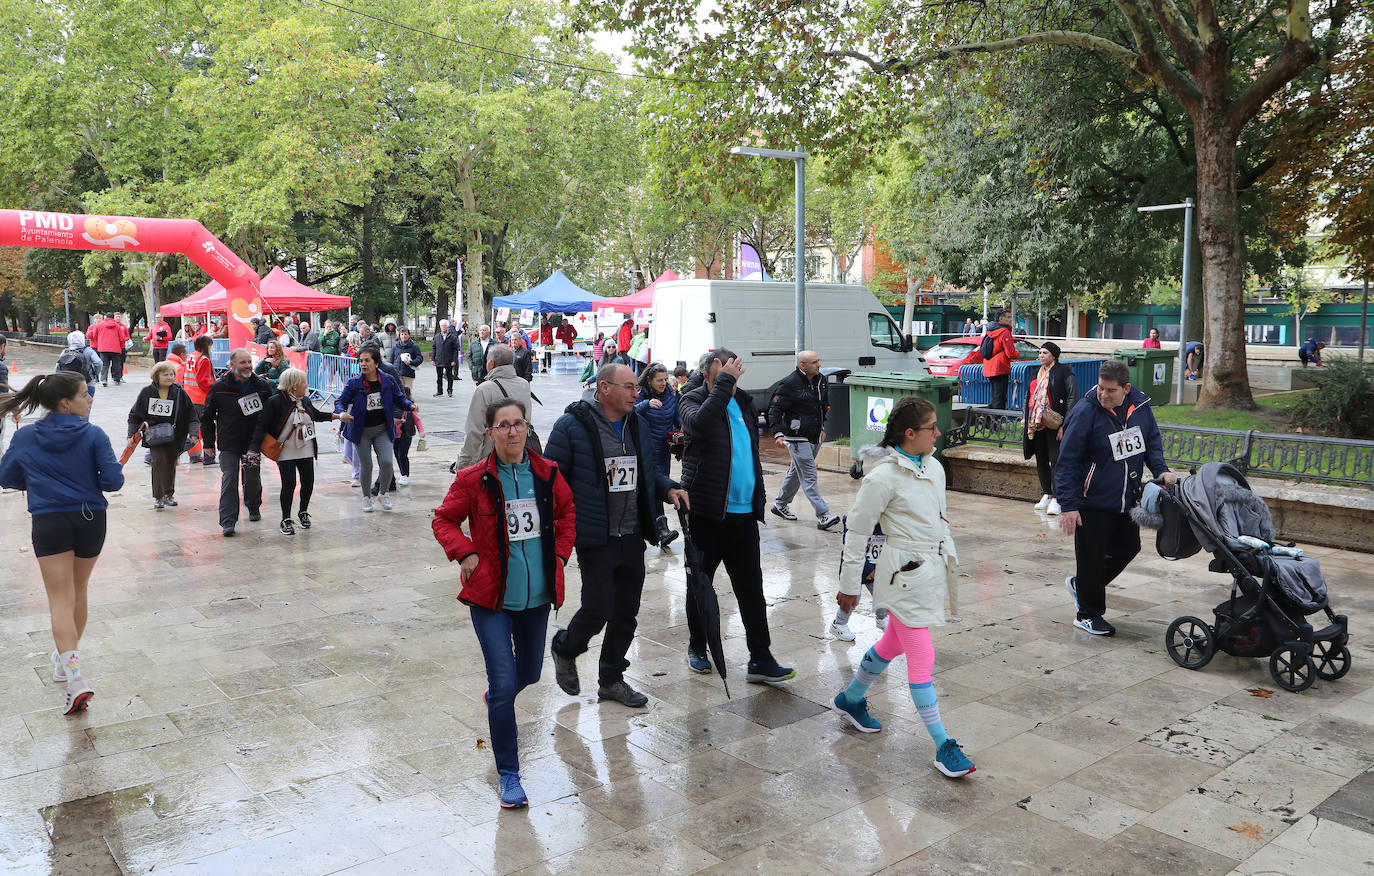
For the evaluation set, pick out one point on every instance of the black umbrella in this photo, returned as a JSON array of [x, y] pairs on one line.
[[699, 587]]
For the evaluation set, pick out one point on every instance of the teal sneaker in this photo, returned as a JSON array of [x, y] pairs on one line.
[[950, 760], [698, 663], [512, 795], [855, 713]]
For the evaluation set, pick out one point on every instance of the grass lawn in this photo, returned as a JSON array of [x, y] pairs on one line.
[[1272, 415]]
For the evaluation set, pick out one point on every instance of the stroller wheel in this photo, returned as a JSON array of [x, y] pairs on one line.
[[1292, 671], [1189, 641], [1331, 664]]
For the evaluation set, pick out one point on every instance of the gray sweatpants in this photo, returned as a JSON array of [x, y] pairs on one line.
[[802, 474], [375, 439], [230, 471]]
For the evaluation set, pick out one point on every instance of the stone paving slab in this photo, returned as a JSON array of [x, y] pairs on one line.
[[313, 705]]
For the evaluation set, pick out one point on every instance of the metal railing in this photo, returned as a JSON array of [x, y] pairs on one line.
[[1265, 454]]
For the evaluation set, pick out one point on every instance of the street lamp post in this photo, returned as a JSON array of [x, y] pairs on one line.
[[1187, 208], [798, 158], [404, 289]]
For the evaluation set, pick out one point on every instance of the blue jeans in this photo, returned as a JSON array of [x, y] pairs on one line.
[[513, 650]]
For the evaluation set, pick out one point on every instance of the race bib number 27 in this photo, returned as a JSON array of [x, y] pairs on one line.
[[622, 473]]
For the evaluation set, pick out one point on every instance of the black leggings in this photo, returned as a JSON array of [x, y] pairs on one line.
[[1045, 444], [287, 468]]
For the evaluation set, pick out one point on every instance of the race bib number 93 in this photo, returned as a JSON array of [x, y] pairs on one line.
[[522, 519]]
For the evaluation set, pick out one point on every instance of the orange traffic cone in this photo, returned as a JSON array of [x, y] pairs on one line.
[[126, 368], [14, 367]]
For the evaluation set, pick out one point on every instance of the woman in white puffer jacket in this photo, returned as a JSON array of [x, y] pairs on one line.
[[904, 491]]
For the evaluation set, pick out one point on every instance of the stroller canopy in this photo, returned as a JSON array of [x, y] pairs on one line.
[[1221, 501]]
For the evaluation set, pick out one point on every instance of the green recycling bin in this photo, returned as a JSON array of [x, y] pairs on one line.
[[872, 395], [1152, 372]]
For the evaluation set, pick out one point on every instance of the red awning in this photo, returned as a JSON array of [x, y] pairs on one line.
[[644, 298], [280, 293]]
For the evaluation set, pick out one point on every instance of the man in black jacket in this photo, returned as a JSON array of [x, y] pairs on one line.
[[598, 445], [447, 344], [796, 417], [721, 472], [232, 408], [524, 359]]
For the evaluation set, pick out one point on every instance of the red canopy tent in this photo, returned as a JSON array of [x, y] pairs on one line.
[[644, 298], [280, 294]]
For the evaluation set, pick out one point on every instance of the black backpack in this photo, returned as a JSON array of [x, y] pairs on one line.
[[74, 361], [988, 347]]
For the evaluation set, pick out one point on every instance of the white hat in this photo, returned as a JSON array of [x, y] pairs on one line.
[[76, 340]]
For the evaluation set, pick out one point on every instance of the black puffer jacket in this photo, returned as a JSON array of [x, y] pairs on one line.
[[180, 418], [799, 400], [706, 463], [575, 445]]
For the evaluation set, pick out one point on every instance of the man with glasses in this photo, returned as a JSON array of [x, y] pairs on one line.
[[501, 384], [598, 445], [796, 417]]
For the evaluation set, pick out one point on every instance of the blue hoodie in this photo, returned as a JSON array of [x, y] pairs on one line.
[[64, 462]]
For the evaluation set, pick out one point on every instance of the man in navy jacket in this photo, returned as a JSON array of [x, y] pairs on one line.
[[1108, 441]]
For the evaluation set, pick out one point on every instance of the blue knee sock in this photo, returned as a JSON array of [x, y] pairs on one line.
[[928, 705], [870, 668]]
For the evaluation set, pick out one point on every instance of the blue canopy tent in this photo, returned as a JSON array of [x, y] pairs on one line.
[[557, 294]]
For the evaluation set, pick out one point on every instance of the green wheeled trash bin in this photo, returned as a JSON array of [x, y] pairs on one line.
[[1152, 372], [872, 395], [837, 421]]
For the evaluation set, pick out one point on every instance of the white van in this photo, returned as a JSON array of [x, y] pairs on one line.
[[846, 325]]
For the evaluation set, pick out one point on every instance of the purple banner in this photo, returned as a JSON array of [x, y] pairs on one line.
[[750, 265]]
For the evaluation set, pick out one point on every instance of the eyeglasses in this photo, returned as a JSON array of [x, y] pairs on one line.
[[631, 386], [933, 427], [507, 428]]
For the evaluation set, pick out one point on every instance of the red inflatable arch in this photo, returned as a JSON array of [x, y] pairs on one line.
[[125, 234]]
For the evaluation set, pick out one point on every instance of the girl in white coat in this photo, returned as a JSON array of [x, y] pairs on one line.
[[904, 491]]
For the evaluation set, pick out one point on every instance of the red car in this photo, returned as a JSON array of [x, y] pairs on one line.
[[947, 357]]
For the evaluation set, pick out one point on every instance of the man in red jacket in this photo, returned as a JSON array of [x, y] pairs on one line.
[[160, 335], [997, 369], [109, 337]]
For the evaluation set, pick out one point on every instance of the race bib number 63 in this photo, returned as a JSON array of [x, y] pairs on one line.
[[1126, 443]]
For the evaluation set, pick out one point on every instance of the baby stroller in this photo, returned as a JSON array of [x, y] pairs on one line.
[[1273, 588]]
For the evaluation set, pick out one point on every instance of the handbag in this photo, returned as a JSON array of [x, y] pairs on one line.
[[271, 447], [1050, 418], [159, 434]]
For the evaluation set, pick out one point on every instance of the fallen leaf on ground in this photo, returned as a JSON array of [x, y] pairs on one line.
[[1263, 693], [1246, 829], [481, 743]]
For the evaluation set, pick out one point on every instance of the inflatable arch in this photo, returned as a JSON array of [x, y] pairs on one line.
[[125, 234]]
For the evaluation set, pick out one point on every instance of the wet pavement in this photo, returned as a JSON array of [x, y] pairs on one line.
[[313, 705]]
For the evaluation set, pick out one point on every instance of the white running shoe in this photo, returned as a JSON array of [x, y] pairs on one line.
[[841, 631], [384, 500], [367, 503], [1044, 502], [354, 482], [403, 480], [1054, 507], [78, 695]]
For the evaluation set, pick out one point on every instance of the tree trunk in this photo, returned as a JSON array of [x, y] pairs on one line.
[[1225, 382], [365, 256], [909, 305], [302, 274], [151, 286]]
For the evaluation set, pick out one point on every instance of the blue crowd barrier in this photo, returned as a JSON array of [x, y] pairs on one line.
[[975, 389], [219, 354], [325, 375]]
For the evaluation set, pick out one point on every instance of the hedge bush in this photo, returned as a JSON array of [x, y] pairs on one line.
[[1343, 403]]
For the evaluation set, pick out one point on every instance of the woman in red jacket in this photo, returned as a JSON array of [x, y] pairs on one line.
[[521, 528]]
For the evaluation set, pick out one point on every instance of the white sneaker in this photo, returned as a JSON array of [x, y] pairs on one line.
[[385, 501], [881, 620], [403, 480], [841, 631], [1044, 502], [367, 503], [1054, 507], [78, 695], [59, 672], [354, 482]]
